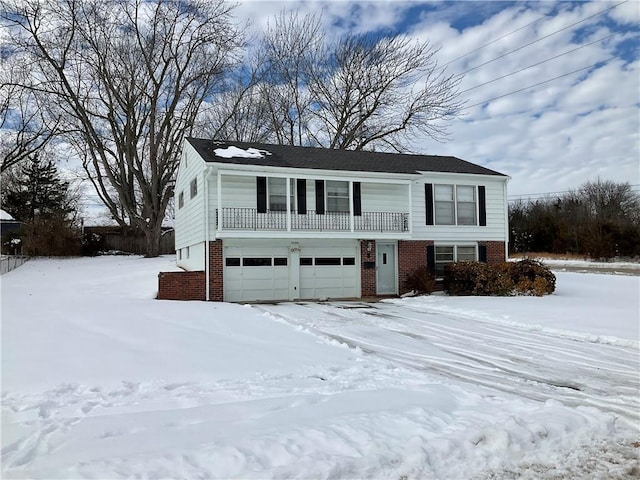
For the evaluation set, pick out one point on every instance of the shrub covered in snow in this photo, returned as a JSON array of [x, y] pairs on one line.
[[526, 277]]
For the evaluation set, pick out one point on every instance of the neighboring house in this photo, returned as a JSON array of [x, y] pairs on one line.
[[257, 222]]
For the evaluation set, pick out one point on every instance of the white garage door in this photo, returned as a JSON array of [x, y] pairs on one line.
[[329, 272], [256, 273]]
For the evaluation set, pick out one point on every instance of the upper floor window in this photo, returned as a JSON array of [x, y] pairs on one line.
[[445, 207], [181, 200], [277, 193], [337, 196], [194, 187], [454, 204], [466, 204]]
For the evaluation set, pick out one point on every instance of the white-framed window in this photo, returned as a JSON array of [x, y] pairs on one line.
[[453, 253], [466, 204], [337, 193], [277, 193], [194, 187], [444, 204], [181, 200], [455, 204]]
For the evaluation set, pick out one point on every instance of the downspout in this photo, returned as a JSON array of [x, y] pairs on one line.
[[506, 220], [207, 233]]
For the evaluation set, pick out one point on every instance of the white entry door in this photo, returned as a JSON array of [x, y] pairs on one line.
[[386, 268]]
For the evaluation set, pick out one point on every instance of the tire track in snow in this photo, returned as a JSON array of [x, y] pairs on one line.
[[528, 363]]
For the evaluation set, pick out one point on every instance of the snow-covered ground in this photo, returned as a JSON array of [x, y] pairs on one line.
[[99, 380]]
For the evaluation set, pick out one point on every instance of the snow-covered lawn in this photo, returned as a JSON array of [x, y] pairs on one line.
[[99, 380]]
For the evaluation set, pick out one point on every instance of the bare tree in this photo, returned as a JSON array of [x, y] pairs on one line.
[[239, 113], [291, 49], [24, 128], [128, 79], [354, 92], [372, 91]]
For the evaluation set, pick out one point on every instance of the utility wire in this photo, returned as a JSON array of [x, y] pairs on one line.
[[542, 38], [602, 62], [493, 41], [539, 63]]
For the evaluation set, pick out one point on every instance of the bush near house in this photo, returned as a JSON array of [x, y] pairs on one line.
[[421, 280], [526, 277]]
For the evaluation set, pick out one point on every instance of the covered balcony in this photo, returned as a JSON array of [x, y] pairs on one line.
[[249, 219]]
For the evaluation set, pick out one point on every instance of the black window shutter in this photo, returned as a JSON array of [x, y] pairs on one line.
[[482, 253], [357, 199], [482, 205], [320, 197], [301, 192], [428, 199], [431, 258], [261, 189]]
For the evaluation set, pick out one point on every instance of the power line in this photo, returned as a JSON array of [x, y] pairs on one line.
[[493, 41], [542, 38], [540, 63], [602, 62]]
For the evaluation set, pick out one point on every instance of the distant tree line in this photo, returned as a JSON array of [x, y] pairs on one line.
[[601, 219]]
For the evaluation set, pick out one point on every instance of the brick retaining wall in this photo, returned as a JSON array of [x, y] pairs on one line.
[[181, 285]]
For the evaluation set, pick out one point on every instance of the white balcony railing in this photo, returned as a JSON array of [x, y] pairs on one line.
[[232, 218]]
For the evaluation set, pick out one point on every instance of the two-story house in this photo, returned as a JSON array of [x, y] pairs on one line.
[[257, 222]]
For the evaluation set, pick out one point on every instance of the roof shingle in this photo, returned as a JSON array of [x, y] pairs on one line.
[[326, 159]]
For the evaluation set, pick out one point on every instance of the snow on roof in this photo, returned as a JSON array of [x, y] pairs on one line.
[[5, 216], [231, 152]]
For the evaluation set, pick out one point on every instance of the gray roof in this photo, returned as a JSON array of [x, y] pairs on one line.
[[326, 159]]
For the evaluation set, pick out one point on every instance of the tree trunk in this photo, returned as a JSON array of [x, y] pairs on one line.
[[152, 236]]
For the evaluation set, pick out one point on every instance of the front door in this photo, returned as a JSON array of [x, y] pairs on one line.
[[386, 268]]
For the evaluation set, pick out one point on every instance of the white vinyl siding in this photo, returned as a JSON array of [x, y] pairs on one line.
[[238, 191], [190, 218], [495, 202], [384, 197]]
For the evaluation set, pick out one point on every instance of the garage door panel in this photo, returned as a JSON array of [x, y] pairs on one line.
[[329, 274], [262, 273]]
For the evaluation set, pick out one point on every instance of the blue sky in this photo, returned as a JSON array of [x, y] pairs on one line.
[[549, 138]]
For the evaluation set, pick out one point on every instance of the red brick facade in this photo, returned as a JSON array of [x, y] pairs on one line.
[[368, 268], [411, 255], [216, 285], [181, 285], [496, 251]]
